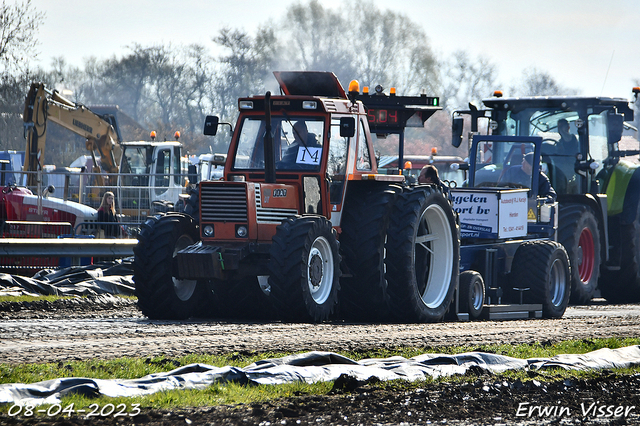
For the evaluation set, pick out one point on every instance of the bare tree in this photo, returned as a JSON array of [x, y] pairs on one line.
[[244, 70], [19, 23], [466, 80], [359, 42], [390, 49], [316, 40], [536, 82]]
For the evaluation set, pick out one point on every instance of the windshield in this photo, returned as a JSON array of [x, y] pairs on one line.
[[297, 143], [561, 142], [557, 128], [136, 160], [503, 164]]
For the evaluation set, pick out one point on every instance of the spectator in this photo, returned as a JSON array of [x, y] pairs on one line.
[[107, 214], [429, 174]]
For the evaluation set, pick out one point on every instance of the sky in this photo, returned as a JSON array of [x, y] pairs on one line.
[[592, 46]]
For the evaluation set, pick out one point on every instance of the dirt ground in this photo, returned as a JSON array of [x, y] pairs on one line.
[[609, 399]]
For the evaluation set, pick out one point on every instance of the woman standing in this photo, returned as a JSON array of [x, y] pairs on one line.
[[107, 213]]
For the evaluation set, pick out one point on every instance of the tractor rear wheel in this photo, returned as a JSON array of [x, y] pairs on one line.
[[192, 204], [305, 269], [242, 298], [471, 293], [423, 254], [363, 295], [161, 293], [543, 267], [579, 233]]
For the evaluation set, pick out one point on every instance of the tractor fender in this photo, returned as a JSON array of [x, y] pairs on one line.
[[631, 198], [623, 190]]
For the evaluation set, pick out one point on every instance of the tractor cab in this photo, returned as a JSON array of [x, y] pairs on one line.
[[292, 154], [580, 134]]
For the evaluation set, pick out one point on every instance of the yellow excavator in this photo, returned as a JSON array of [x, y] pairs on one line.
[[42, 105], [147, 175]]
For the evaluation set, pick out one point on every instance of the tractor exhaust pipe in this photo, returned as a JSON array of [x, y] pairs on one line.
[[269, 157]]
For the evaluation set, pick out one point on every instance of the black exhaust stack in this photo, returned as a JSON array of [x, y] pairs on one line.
[[269, 157]]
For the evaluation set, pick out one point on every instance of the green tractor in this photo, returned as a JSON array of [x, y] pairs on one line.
[[583, 154]]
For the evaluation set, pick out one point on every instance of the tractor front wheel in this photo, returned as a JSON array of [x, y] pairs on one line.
[[471, 293], [305, 269], [161, 293], [543, 268]]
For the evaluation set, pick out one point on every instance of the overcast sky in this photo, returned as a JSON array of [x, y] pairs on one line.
[[590, 45]]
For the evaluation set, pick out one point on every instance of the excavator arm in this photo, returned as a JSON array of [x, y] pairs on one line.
[[42, 105]]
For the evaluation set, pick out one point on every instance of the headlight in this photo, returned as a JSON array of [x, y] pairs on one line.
[[241, 231], [208, 231]]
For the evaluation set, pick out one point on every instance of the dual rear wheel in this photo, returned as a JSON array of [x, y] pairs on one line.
[[422, 256]]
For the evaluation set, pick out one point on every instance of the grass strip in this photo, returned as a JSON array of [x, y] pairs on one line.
[[232, 393]]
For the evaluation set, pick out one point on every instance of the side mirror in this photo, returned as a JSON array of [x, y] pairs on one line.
[[457, 126], [614, 128], [211, 125], [219, 159], [459, 166], [347, 127]]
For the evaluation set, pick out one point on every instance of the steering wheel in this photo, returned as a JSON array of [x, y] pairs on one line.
[[514, 185], [486, 184], [552, 144]]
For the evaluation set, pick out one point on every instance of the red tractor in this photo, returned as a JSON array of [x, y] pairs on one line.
[[300, 220]]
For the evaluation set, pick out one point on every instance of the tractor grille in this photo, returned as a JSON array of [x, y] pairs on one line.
[[266, 215], [223, 203]]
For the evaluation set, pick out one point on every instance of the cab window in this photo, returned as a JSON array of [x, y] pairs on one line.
[[364, 158]]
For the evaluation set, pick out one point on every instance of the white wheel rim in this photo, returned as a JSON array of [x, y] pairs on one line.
[[557, 282], [320, 270], [183, 288], [435, 240]]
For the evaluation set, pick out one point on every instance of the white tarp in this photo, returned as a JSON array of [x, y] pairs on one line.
[[91, 280], [310, 367]]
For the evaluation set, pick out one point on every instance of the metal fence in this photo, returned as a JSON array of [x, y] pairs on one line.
[[25, 256], [136, 195]]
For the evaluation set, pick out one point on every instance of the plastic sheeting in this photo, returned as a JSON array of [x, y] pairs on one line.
[[310, 367], [91, 280]]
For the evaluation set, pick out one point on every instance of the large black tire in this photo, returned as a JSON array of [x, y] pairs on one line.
[[304, 269], [192, 204], [161, 293], [471, 293], [623, 286], [579, 233], [543, 267], [242, 299], [363, 294], [423, 255]]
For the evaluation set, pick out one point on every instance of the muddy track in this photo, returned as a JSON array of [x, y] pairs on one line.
[[108, 328], [111, 327]]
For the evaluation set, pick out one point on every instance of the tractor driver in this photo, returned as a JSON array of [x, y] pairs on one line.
[[568, 143], [301, 138], [521, 175]]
